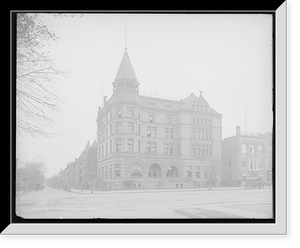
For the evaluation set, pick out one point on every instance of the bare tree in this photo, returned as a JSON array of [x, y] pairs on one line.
[[28, 175], [36, 76]]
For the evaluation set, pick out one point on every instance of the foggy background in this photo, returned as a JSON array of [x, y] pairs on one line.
[[228, 57]]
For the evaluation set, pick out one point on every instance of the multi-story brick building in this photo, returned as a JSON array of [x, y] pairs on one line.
[[247, 156], [81, 173], [151, 142]]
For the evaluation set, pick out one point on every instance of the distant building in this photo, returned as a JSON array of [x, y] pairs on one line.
[[81, 173], [151, 142], [247, 156]]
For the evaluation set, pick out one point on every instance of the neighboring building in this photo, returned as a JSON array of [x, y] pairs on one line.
[[150, 142], [246, 156], [81, 173]]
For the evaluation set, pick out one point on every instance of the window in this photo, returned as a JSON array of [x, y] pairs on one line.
[[136, 173], [148, 147], [110, 128], [166, 133], [119, 127], [139, 115], [196, 107], [229, 163], [168, 120], [139, 146], [193, 120], [119, 113], [193, 133], [154, 132], [110, 146], [197, 134], [171, 133], [244, 148], [130, 145], [260, 148], [130, 127], [148, 131], [106, 148], [197, 120], [202, 134], [198, 171], [117, 170], [151, 118], [166, 149], [106, 133], [130, 113], [118, 145], [252, 149], [171, 148], [153, 147], [194, 150]]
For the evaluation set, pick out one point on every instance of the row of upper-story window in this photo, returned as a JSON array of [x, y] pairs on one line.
[[108, 148], [201, 134], [201, 121], [200, 108], [201, 150], [252, 149], [131, 113], [118, 129]]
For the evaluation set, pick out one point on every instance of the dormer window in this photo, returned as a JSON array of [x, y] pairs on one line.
[[119, 113], [151, 118], [130, 113]]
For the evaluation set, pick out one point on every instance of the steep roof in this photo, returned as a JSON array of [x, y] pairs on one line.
[[87, 147], [192, 99], [125, 70]]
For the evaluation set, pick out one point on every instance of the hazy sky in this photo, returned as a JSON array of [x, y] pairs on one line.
[[227, 56]]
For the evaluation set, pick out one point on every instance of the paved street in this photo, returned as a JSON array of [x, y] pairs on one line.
[[217, 203]]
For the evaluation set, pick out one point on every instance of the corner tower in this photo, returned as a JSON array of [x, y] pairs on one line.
[[126, 79]]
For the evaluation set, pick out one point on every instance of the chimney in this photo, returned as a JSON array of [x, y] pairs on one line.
[[238, 130]]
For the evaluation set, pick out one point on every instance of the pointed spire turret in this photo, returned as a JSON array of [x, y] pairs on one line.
[[126, 78]]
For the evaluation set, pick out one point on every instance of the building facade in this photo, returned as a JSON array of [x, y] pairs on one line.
[[247, 156], [81, 173], [151, 142]]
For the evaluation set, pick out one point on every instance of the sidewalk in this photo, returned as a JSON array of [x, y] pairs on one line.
[[78, 191], [248, 210]]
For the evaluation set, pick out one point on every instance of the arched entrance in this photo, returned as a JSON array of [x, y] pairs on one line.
[[172, 171], [155, 170]]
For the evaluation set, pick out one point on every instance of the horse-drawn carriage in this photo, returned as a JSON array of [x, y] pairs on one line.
[[254, 183]]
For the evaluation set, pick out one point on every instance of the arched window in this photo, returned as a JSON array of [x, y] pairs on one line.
[[260, 148], [151, 118], [244, 148], [136, 173], [130, 113], [119, 113]]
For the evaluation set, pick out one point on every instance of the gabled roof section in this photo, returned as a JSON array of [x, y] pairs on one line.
[[88, 146], [193, 99], [94, 145], [125, 70]]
